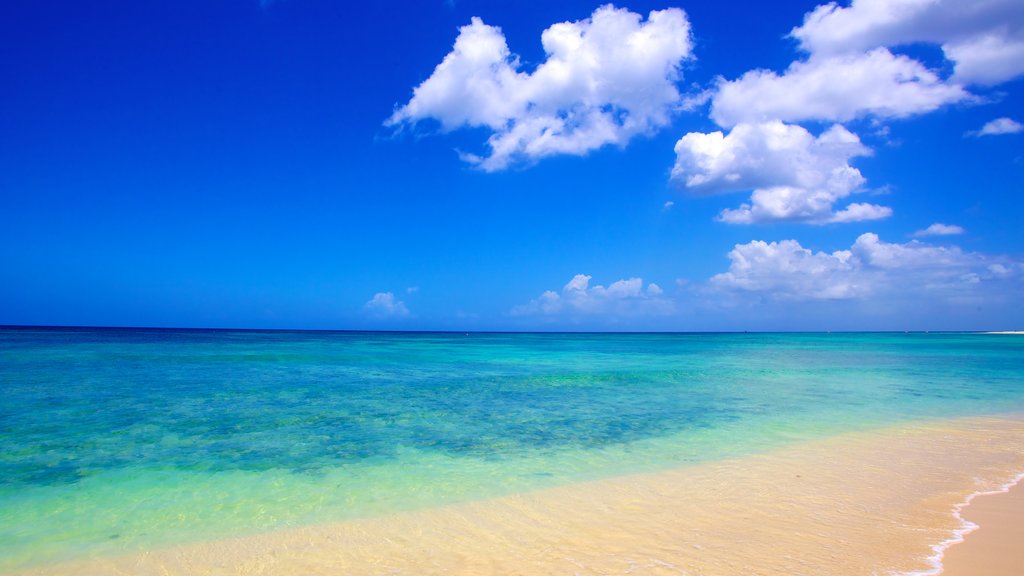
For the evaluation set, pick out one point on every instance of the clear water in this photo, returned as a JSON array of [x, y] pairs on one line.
[[115, 440]]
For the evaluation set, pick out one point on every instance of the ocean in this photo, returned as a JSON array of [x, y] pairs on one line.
[[114, 441]]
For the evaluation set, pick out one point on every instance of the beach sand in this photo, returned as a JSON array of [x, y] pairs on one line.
[[996, 547], [873, 502]]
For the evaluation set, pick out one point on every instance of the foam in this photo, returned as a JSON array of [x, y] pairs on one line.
[[959, 535]]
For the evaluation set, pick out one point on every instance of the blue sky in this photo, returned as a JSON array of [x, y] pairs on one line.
[[513, 165]]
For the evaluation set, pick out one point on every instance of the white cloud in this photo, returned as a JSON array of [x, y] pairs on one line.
[[850, 72], [989, 59], [913, 255], [782, 285], [871, 268], [788, 270], [835, 88], [606, 79], [999, 126], [861, 211], [384, 305], [939, 229], [794, 175], [668, 205], [624, 298], [984, 39]]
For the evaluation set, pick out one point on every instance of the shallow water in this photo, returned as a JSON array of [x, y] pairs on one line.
[[117, 440]]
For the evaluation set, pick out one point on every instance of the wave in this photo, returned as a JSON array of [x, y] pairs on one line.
[[959, 534]]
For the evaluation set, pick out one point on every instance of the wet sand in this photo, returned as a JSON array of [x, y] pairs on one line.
[[866, 503], [996, 547]]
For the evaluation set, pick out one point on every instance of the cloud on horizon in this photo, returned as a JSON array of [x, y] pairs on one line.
[[870, 269], [623, 298], [765, 281], [385, 305], [606, 79]]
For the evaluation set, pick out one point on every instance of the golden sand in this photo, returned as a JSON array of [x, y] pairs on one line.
[[860, 504], [996, 547]]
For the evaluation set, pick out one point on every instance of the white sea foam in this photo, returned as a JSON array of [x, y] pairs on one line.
[[966, 527]]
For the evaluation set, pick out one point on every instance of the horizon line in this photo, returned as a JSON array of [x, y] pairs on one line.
[[380, 331]]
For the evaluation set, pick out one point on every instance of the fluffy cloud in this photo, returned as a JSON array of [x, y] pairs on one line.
[[794, 175], [835, 88], [624, 298], [606, 79], [985, 39], [384, 305], [989, 59], [939, 229], [870, 268], [788, 270], [871, 285], [999, 126], [849, 71]]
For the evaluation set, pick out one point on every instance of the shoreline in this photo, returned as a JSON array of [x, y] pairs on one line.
[[993, 529], [959, 541], [856, 504]]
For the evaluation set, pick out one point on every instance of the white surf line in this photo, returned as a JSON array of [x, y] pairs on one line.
[[966, 527]]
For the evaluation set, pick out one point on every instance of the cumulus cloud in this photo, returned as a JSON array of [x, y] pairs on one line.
[[788, 270], [999, 126], [939, 229], [606, 79], [794, 175], [385, 305], [849, 71], [989, 59], [835, 88], [873, 284], [871, 268], [984, 40], [624, 298]]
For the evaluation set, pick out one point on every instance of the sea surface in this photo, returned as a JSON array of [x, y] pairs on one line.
[[118, 440]]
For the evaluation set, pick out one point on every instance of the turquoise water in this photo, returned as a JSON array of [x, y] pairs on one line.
[[115, 440]]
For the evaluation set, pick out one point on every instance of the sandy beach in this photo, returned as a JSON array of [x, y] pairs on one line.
[[994, 548], [874, 502]]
